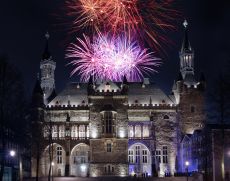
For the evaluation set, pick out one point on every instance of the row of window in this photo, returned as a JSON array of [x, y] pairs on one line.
[[139, 131], [81, 131]]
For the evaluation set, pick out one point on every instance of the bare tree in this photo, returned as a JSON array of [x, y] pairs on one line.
[[12, 107]]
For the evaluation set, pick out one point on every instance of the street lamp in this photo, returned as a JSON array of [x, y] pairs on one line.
[[12, 153], [187, 164]]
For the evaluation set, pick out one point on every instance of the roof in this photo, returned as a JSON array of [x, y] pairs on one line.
[[74, 94], [139, 93]]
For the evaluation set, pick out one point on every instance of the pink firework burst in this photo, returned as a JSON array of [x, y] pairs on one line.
[[110, 59]]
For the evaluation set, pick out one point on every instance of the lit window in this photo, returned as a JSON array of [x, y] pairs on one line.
[[131, 159], [59, 155], [145, 131], [82, 132], [145, 156], [109, 147], [74, 133], [131, 132], [158, 156], [61, 131], [54, 131], [137, 131]]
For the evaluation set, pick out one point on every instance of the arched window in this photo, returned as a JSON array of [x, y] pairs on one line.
[[80, 154]]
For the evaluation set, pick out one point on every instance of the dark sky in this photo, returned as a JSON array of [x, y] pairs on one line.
[[24, 23]]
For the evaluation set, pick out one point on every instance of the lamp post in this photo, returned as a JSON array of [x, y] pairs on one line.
[[12, 153], [187, 164]]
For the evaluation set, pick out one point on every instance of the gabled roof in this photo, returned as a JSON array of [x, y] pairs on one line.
[[141, 94], [74, 93]]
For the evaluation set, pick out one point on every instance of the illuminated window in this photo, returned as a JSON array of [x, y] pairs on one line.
[[54, 131], [74, 133], [145, 131], [131, 132], [59, 155], [61, 131], [137, 131], [131, 159], [158, 156], [82, 132], [144, 156]]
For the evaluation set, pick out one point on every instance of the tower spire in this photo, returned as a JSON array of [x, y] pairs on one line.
[[46, 55], [186, 44], [47, 66], [187, 59]]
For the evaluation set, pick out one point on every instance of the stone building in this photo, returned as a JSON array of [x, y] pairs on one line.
[[113, 128]]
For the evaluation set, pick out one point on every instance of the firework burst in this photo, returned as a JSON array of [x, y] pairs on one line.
[[110, 59], [145, 19]]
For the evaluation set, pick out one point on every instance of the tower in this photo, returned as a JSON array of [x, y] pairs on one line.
[[188, 92], [47, 66], [187, 59]]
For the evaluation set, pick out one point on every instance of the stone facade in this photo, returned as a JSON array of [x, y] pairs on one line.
[[116, 128]]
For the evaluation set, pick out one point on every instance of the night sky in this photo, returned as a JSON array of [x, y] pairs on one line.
[[24, 23]]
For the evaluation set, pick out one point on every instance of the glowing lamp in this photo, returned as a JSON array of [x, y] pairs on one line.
[[187, 163], [12, 153]]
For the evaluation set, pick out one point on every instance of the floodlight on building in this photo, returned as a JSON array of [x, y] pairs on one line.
[[52, 163], [83, 168]]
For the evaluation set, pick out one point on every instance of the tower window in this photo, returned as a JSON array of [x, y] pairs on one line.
[[192, 109], [108, 122], [109, 147]]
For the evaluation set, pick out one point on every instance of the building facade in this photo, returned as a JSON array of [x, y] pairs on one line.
[[102, 128]]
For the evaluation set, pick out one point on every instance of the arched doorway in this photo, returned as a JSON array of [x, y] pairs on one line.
[[79, 160], [139, 158], [58, 157]]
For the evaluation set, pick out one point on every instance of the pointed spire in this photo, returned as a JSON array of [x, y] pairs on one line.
[[186, 44], [46, 55]]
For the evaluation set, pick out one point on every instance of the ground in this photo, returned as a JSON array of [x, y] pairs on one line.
[[117, 179]]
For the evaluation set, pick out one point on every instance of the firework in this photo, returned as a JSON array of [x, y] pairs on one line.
[[110, 59], [145, 19]]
